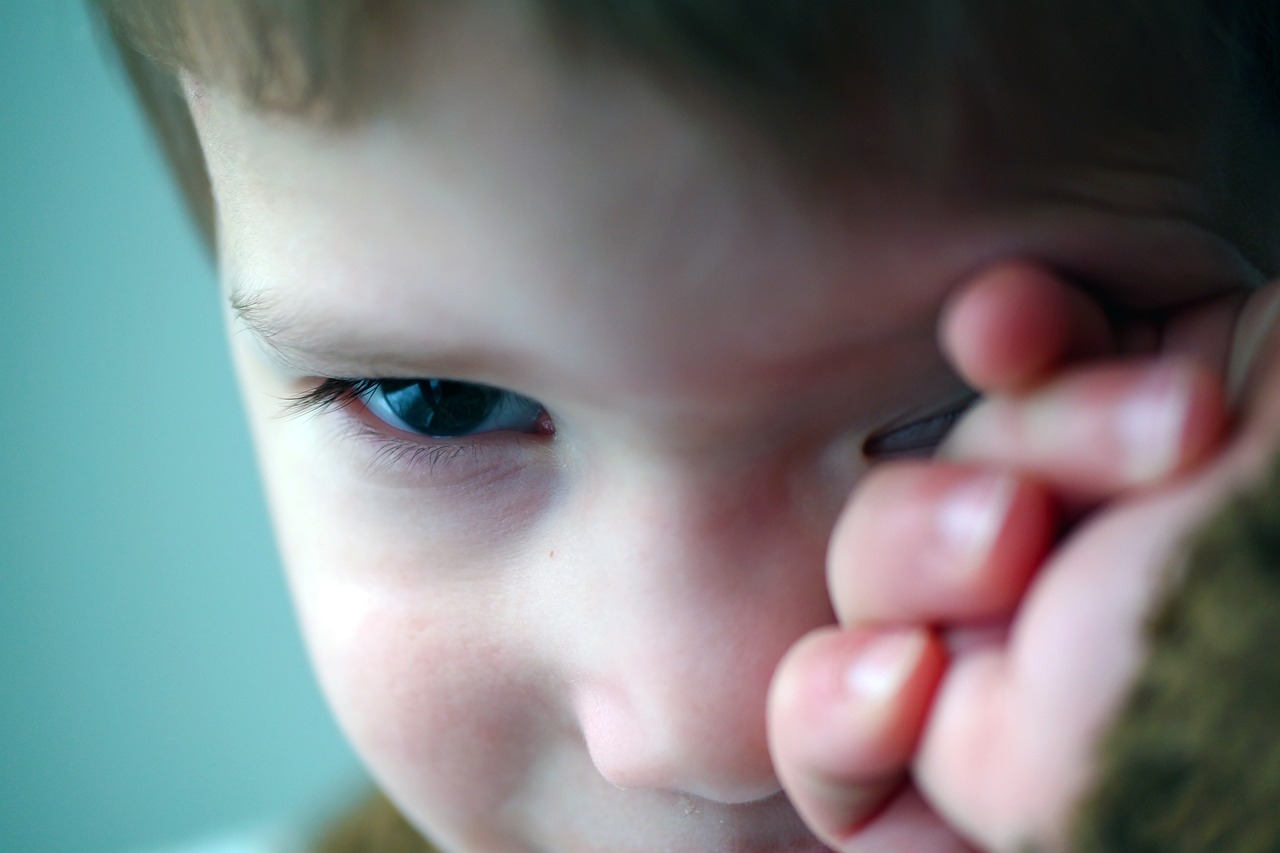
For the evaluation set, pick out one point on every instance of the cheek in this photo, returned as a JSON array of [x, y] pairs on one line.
[[432, 698], [418, 642]]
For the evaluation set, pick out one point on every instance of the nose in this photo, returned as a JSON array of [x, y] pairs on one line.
[[685, 596]]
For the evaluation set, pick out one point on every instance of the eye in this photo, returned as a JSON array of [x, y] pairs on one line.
[[917, 438], [442, 408]]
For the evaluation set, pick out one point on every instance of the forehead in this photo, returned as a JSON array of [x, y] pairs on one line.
[[505, 179], [496, 201]]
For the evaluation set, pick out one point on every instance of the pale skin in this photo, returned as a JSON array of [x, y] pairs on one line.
[[560, 634], [1043, 637]]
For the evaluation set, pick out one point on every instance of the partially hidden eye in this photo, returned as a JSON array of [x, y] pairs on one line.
[[442, 408], [917, 438]]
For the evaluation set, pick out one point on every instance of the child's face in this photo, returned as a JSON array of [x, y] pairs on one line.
[[562, 641]]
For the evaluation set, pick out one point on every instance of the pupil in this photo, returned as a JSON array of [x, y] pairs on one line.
[[439, 407]]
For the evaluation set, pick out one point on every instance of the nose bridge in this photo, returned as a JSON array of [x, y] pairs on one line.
[[692, 586]]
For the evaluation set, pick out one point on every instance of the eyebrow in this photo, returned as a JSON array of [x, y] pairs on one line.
[[257, 314], [280, 332], [315, 344]]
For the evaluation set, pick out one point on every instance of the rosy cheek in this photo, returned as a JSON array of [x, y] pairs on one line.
[[433, 701]]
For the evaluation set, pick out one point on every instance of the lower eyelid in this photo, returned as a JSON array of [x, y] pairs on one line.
[[380, 458], [391, 452], [478, 491], [396, 456]]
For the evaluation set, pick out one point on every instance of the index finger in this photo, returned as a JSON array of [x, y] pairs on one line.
[[1009, 327]]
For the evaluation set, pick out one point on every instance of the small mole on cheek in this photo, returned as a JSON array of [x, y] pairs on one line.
[[551, 555]]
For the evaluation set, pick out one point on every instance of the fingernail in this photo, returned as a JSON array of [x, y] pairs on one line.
[[1151, 422], [970, 518], [882, 667]]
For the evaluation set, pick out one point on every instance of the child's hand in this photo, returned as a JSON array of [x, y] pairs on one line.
[[1039, 698], [1005, 747]]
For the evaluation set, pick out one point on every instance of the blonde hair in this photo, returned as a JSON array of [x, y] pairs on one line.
[[943, 74]]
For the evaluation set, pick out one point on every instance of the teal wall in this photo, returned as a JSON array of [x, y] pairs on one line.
[[151, 685]]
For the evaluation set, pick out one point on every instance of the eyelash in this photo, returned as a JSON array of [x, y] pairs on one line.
[[328, 395], [915, 439], [391, 452]]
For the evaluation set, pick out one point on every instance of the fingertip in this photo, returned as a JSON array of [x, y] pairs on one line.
[[1010, 325], [997, 331], [1170, 421], [845, 714]]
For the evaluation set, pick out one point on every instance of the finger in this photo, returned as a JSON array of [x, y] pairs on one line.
[[906, 824], [1098, 431], [844, 714], [1013, 729], [1012, 325], [937, 542], [1205, 333]]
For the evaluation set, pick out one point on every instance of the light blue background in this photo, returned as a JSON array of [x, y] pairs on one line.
[[152, 688]]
